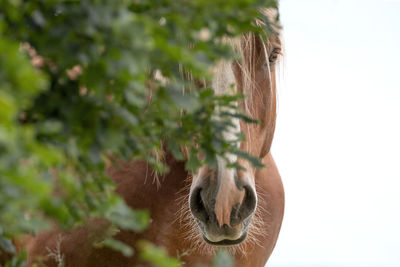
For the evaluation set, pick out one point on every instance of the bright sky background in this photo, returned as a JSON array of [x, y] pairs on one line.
[[337, 142]]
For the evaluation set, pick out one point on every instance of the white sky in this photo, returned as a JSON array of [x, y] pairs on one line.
[[337, 140]]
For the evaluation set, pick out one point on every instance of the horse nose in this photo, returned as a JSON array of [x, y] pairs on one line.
[[200, 207], [224, 211], [246, 208]]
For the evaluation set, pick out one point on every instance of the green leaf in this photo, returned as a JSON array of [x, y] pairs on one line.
[[126, 218], [157, 256], [255, 161], [117, 245], [222, 258], [193, 163], [7, 245]]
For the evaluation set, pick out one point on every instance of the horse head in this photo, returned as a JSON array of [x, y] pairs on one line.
[[223, 200]]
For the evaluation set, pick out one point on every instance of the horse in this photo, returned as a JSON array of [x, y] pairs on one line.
[[195, 214]]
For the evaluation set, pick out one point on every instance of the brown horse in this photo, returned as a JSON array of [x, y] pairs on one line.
[[193, 215]]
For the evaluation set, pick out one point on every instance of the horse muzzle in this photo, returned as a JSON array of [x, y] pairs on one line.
[[225, 223]]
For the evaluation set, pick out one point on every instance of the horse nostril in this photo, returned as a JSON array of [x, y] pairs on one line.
[[240, 213], [197, 206]]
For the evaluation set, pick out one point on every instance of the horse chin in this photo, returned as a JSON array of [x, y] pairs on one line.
[[226, 242]]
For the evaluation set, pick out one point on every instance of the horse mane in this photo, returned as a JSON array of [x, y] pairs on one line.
[[246, 46]]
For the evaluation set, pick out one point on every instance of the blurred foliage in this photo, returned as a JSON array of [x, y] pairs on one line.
[[83, 80], [222, 258], [157, 256]]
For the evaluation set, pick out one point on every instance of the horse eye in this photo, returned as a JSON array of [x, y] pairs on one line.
[[273, 58], [274, 55]]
